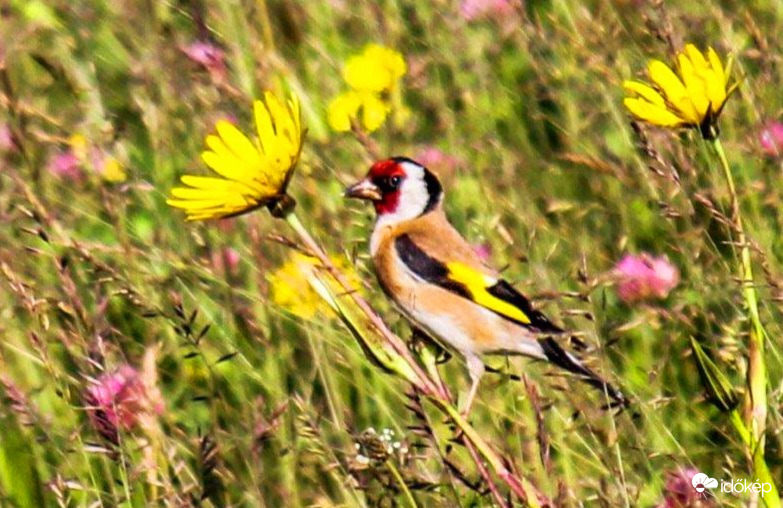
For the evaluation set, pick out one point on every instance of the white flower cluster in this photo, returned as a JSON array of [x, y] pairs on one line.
[[386, 439]]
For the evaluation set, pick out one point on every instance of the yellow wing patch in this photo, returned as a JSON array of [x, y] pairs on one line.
[[478, 285]]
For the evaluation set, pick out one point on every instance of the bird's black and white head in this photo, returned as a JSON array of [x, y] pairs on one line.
[[400, 189]]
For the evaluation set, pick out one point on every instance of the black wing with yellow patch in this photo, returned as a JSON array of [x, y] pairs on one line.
[[494, 294]]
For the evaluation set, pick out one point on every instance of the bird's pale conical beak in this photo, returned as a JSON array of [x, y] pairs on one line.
[[364, 189]]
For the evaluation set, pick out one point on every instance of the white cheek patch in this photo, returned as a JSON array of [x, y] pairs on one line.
[[413, 197]]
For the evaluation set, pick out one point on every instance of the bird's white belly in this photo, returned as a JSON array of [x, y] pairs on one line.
[[442, 328]]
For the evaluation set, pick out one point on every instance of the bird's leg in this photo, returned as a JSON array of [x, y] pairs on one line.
[[476, 370], [420, 339]]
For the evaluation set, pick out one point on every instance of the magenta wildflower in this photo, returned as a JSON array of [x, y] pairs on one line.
[[645, 277], [231, 258], [680, 493], [208, 55], [65, 165], [7, 143], [227, 259], [483, 251], [437, 160], [472, 10], [771, 139], [118, 399]]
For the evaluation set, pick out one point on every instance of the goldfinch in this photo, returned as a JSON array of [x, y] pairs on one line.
[[440, 285]]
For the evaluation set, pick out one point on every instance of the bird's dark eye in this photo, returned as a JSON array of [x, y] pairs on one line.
[[388, 183]]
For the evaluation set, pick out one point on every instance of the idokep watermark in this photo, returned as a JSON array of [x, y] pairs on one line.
[[702, 482], [740, 486]]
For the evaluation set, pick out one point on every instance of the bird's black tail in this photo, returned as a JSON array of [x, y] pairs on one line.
[[560, 357]]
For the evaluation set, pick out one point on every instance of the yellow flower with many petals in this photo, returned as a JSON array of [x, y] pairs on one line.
[[291, 285], [253, 173], [373, 76], [377, 69], [346, 108], [694, 98]]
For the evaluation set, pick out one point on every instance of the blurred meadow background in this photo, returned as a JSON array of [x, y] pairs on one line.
[[225, 381]]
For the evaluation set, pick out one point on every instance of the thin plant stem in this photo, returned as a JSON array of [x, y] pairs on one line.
[[760, 468], [756, 418], [493, 489], [124, 470], [266, 26], [398, 477], [325, 379], [757, 375], [521, 487]]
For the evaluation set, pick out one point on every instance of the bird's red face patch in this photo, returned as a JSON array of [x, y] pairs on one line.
[[387, 175]]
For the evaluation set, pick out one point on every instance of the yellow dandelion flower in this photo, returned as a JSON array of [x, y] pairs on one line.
[[351, 106], [376, 69], [694, 98], [291, 286], [252, 174]]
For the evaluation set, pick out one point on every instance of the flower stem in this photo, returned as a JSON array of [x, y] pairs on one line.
[[398, 477], [771, 499], [521, 487], [757, 377], [482, 469], [757, 374], [266, 26]]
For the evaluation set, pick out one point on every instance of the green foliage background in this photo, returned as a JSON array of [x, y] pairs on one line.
[[549, 173]]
